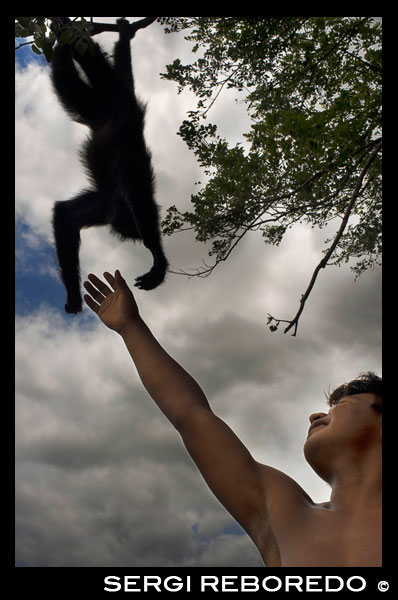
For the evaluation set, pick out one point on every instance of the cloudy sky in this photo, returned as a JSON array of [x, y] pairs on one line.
[[102, 479]]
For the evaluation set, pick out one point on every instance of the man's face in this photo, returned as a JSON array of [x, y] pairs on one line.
[[348, 430]]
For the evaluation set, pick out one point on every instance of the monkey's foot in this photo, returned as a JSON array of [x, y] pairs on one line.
[[73, 306], [151, 279]]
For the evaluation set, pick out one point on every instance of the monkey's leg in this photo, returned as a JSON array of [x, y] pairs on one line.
[[156, 275], [149, 230], [141, 223], [142, 215], [69, 216]]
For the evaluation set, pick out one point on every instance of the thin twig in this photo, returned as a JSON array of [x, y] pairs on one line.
[[322, 264], [24, 44]]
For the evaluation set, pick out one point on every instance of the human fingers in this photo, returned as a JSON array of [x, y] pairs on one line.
[[100, 285], [120, 282], [96, 294], [91, 303], [110, 279], [115, 281]]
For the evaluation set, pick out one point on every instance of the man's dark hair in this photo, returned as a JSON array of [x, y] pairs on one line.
[[365, 383]]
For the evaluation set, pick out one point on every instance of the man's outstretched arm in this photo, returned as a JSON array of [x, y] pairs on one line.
[[225, 463]]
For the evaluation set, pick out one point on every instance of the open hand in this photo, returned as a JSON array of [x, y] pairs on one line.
[[115, 307]]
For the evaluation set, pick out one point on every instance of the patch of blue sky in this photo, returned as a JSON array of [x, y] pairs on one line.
[[37, 283], [34, 264], [25, 55]]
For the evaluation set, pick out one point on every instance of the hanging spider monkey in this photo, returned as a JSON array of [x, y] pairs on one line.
[[115, 157]]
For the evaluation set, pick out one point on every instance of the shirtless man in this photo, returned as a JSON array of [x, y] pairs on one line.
[[343, 447]]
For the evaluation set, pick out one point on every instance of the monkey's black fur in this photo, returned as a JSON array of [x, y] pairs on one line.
[[115, 156]]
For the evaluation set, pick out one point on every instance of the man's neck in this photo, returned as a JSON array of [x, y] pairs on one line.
[[357, 486]]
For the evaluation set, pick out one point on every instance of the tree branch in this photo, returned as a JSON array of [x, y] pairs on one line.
[[24, 44], [96, 28], [269, 201], [322, 264]]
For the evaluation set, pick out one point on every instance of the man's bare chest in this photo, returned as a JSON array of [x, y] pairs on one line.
[[322, 538]]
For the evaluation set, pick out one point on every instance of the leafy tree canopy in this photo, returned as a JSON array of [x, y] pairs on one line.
[[312, 87]]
